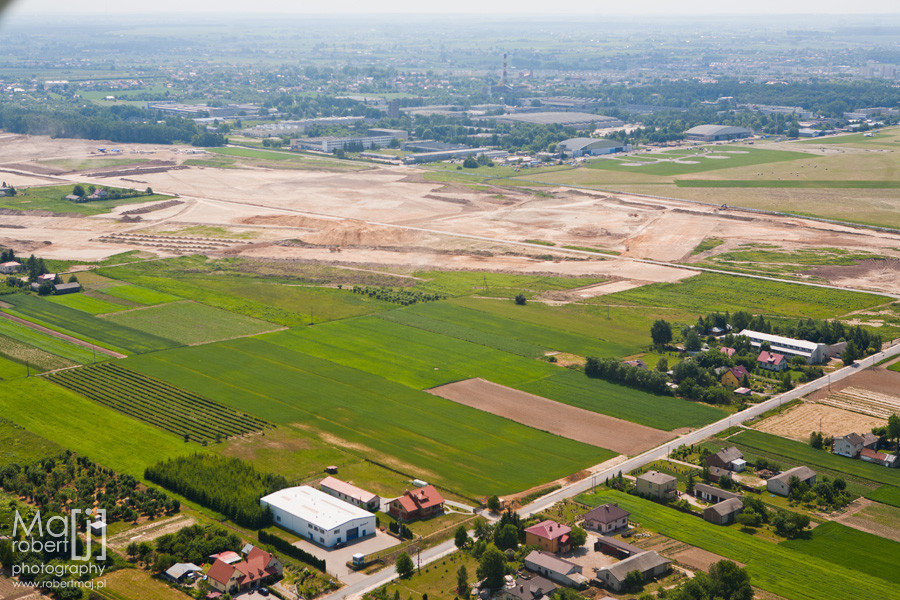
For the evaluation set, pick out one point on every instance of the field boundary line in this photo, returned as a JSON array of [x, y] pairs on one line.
[[62, 336], [134, 308]]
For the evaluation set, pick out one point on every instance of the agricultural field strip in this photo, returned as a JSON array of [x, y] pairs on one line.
[[138, 294], [773, 567], [157, 402], [86, 304], [864, 401], [886, 494], [461, 446], [44, 341], [83, 326]]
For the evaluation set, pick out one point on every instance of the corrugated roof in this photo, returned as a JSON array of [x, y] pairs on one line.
[[348, 489], [717, 130], [314, 506], [643, 562], [656, 477]]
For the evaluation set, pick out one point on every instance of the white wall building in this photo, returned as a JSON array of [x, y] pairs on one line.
[[813, 353], [318, 517]]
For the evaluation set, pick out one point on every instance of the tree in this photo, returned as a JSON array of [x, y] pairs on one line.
[[461, 537], [45, 289], [405, 566], [149, 191], [661, 333], [893, 428], [470, 163], [78, 190], [73, 279], [481, 528], [493, 504], [506, 537], [462, 581], [662, 365], [692, 342], [492, 567], [850, 353], [729, 581], [816, 439], [689, 486], [634, 581], [578, 537], [520, 299]]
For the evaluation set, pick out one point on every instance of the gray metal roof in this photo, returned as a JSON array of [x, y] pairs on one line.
[[702, 487], [552, 563], [726, 507], [656, 477], [717, 130], [643, 562], [576, 144], [606, 513], [802, 473], [179, 570]]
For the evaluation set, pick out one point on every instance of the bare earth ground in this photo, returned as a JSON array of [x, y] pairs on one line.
[[392, 216], [873, 517], [567, 421], [798, 422], [697, 558], [150, 531], [878, 380]]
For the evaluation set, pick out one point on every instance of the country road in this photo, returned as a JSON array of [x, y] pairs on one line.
[[431, 554]]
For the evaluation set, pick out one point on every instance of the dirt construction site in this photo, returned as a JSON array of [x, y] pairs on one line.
[[391, 216]]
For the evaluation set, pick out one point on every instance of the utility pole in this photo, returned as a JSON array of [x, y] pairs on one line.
[[27, 370]]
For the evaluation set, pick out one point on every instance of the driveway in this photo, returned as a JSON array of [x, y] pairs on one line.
[[336, 559]]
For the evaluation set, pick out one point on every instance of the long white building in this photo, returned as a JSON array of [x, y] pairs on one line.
[[318, 517], [813, 353]]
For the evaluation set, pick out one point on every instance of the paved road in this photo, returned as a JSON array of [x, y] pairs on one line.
[[437, 552]]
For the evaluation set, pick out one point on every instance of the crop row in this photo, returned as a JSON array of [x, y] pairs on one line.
[[158, 403]]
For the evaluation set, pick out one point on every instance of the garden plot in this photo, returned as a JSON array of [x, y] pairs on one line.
[[798, 422], [867, 402], [548, 415]]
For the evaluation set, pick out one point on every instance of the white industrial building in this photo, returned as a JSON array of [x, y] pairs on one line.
[[811, 351], [717, 133], [576, 147], [330, 143], [318, 517]]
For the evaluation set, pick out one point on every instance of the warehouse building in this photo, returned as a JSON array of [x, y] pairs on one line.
[[330, 143], [350, 493], [578, 120], [319, 517], [812, 352], [576, 147], [717, 133]]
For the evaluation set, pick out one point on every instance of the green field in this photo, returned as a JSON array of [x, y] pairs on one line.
[[709, 292], [660, 412], [158, 403], [466, 450], [496, 285], [189, 322], [747, 156], [53, 346], [803, 454], [138, 295], [410, 356], [780, 183], [21, 447], [291, 160], [505, 333], [886, 494], [84, 326], [776, 568], [10, 369], [52, 198], [83, 426], [857, 550], [85, 303]]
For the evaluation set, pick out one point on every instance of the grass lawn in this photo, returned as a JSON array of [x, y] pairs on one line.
[[52, 198], [786, 571], [709, 292], [421, 435], [736, 156], [46, 345], [886, 494], [437, 580], [137, 584], [189, 322], [22, 447], [84, 326], [857, 550], [76, 423], [661, 412]]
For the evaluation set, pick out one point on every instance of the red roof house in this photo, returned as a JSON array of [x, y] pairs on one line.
[[771, 361], [257, 568], [417, 504], [549, 535], [729, 352]]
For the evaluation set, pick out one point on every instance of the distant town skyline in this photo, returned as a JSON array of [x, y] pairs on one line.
[[509, 7]]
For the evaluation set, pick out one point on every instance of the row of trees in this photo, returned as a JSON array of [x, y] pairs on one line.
[[200, 478], [610, 369]]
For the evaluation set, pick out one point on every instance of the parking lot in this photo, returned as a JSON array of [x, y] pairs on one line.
[[336, 560]]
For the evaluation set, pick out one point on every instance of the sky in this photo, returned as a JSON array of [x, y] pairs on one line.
[[511, 7]]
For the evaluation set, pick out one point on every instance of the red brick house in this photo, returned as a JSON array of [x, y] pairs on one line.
[[257, 568], [417, 504]]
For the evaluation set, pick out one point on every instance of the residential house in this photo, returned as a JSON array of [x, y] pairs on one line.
[[606, 517], [712, 494], [181, 571], [555, 568], [771, 361], [417, 504], [852, 444], [879, 458], [529, 588], [656, 485], [727, 458], [73, 198], [10, 267], [636, 363], [550, 536], [649, 564], [724, 512], [716, 474], [780, 484], [350, 493], [729, 352], [257, 568], [734, 376]]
